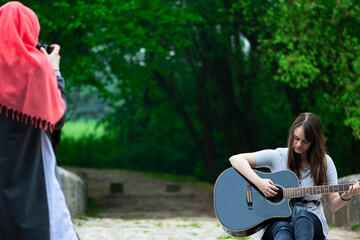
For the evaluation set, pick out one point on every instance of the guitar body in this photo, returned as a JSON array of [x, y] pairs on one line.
[[241, 208]]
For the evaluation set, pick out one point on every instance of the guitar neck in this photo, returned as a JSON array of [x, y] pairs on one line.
[[315, 190]]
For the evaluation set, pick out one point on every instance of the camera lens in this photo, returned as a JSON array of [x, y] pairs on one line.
[[48, 48]]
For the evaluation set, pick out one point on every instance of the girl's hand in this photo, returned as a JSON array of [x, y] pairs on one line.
[[53, 57], [354, 190], [267, 187]]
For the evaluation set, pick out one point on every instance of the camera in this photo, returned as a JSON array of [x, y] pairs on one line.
[[48, 48]]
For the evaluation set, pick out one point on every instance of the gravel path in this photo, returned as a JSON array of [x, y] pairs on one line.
[[167, 229], [145, 210], [179, 229]]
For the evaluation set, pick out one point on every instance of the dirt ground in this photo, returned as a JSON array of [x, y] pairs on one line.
[[147, 199]]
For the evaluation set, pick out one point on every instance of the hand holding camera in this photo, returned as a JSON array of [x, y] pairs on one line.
[[52, 54], [48, 48]]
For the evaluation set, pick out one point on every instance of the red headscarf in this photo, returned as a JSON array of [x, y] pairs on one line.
[[28, 84]]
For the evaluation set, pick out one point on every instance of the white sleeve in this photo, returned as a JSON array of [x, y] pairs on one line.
[[273, 159]]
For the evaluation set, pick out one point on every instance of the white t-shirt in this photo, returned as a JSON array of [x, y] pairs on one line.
[[276, 160]]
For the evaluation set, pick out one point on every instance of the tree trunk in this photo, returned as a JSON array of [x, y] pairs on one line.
[[205, 144]]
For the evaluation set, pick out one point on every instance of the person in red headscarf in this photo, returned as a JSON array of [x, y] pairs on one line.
[[32, 108]]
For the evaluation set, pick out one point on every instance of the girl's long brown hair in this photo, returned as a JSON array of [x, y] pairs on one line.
[[316, 154]]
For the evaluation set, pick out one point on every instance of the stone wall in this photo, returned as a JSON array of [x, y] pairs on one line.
[[349, 215], [74, 189]]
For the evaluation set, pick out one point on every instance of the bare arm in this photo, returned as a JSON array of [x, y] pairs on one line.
[[334, 200], [243, 163]]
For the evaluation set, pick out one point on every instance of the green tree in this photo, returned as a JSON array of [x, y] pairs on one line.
[[193, 82], [195, 55], [313, 49], [167, 66]]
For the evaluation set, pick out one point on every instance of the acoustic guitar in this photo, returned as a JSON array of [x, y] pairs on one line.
[[243, 210]]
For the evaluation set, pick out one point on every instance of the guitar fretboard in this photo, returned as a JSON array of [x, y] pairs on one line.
[[307, 191]]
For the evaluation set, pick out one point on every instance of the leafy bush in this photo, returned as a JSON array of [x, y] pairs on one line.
[[82, 145]]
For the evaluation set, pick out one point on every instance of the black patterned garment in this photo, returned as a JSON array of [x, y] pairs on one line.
[[32, 203]]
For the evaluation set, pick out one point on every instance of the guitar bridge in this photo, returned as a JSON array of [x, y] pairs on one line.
[[249, 198]]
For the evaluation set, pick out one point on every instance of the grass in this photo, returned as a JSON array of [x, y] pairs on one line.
[[92, 207], [194, 225], [81, 128], [230, 237], [159, 224], [79, 217], [355, 227], [179, 178]]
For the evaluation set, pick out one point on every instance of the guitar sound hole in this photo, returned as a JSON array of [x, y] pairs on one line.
[[278, 197]]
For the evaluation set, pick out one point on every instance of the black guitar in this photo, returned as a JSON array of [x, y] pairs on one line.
[[243, 210]]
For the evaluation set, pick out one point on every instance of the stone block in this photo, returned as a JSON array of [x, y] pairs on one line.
[[74, 189], [349, 215], [116, 187]]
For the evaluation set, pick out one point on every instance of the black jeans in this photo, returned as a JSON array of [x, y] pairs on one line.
[[303, 225]]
